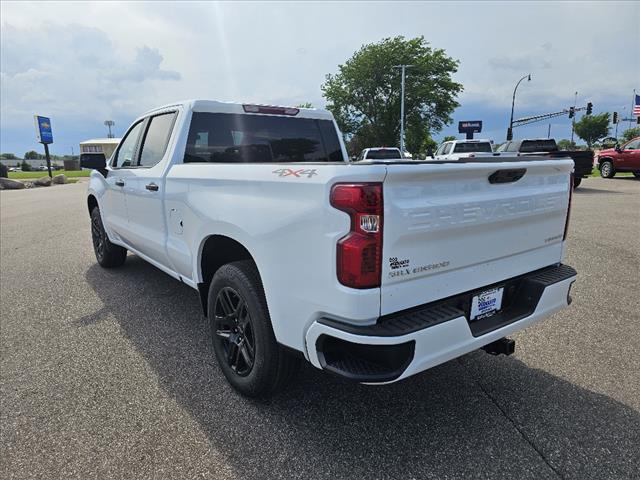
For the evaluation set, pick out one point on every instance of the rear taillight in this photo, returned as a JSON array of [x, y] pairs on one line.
[[359, 253], [566, 222]]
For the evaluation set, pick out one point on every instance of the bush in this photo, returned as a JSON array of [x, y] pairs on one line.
[[25, 166]]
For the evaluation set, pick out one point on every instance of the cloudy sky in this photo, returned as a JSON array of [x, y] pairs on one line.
[[82, 63]]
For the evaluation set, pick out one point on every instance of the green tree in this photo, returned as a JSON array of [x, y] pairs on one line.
[[565, 144], [32, 155], [7, 156], [449, 138], [364, 96], [591, 128], [629, 134], [25, 166], [305, 105]]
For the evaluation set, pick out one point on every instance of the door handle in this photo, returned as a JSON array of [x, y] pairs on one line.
[[151, 186], [119, 183]]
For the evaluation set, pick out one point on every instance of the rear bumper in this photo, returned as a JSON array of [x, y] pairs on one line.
[[405, 343]]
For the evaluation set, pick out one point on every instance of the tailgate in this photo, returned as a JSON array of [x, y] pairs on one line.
[[448, 230]]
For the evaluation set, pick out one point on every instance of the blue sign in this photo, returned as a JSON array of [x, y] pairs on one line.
[[44, 134], [470, 127]]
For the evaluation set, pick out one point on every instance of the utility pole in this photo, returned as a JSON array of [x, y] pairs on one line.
[[403, 70], [549, 132], [575, 101]]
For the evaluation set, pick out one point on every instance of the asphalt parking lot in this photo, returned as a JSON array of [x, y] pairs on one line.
[[109, 374]]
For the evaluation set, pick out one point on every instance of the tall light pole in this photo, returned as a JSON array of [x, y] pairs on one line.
[[513, 103], [573, 122], [403, 70], [633, 102], [109, 124]]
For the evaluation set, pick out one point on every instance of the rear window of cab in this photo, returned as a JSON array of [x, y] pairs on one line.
[[383, 154], [247, 138], [471, 147]]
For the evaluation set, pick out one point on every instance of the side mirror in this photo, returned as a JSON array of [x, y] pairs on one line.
[[618, 148], [94, 161]]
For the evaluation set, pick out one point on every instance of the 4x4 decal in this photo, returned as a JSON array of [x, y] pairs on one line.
[[286, 172]]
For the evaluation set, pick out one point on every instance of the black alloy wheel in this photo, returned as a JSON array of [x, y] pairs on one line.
[[108, 254], [234, 330], [98, 236]]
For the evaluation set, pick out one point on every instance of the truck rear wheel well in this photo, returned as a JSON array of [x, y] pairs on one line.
[[92, 203], [217, 251]]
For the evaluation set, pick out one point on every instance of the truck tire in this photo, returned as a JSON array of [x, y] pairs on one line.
[[108, 254], [243, 340], [606, 169], [576, 182]]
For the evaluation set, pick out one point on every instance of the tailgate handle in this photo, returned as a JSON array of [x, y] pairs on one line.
[[507, 176]]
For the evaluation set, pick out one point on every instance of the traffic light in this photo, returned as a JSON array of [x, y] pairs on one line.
[[572, 112], [615, 118], [589, 108]]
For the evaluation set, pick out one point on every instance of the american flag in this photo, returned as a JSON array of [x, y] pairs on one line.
[[636, 106]]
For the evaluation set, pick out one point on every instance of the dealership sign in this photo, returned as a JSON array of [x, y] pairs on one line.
[[44, 134], [470, 127]]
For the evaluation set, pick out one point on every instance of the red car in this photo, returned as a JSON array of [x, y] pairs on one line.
[[625, 158]]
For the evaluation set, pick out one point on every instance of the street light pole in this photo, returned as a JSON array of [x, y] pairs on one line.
[[403, 70], [513, 103]]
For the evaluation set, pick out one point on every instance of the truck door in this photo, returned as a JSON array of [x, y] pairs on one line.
[[118, 180], [145, 203]]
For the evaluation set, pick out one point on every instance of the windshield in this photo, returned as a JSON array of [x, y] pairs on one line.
[[242, 138], [472, 147], [529, 146], [383, 154]]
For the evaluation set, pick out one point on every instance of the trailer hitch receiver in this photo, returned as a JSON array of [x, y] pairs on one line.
[[504, 346]]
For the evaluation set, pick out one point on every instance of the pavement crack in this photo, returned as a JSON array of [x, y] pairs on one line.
[[518, 429]]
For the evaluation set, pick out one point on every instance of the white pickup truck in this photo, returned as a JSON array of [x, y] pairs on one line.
[[457, 149], [372, 271]]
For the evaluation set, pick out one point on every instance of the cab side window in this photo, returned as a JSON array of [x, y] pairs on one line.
[[447, 148], [124, 156], [156, 139], [632, 145]]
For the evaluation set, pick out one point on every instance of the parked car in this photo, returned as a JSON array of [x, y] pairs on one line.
[[457, 149], [380, 153], [373, 271], [625, 158], [583, 159]]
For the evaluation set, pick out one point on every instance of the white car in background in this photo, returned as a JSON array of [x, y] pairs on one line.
[[380, 153], [457, 149]]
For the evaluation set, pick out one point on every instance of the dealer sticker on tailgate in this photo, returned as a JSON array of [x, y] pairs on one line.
[[486, 303]]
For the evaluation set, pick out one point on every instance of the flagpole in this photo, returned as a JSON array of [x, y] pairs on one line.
[[633, 102]]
